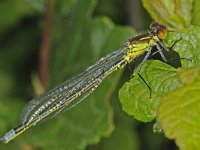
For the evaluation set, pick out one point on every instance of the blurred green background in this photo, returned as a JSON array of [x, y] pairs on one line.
[[43, 43]]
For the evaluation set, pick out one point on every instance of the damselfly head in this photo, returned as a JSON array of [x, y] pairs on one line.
[[160, 30]]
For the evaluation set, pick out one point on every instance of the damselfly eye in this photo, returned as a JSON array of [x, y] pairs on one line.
[[162, 33], [159, 29], [154, 25]]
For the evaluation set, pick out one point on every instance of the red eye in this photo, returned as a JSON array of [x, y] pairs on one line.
[[162, 33]]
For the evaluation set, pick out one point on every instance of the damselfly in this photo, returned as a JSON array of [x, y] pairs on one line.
[[72, 91]]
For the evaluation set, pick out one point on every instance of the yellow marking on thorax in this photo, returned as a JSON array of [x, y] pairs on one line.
[[153, 40], [145, 38], [135, 50]]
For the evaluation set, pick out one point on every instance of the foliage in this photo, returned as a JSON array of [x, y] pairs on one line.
[[80, 35], [175, 92]]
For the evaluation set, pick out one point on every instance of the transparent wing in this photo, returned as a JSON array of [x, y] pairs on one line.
[[72, 91]]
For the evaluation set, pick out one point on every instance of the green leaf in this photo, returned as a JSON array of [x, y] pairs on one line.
[[187, 76], [124, 135], [64, 7], [162, 78], [196, 12], [188, 47], [135, 96], [38, 5], [122, 138], [78, 42], [179, 111], [12, 12], [174, 14]]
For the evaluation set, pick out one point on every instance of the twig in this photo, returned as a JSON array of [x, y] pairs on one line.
[[46, 44]]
